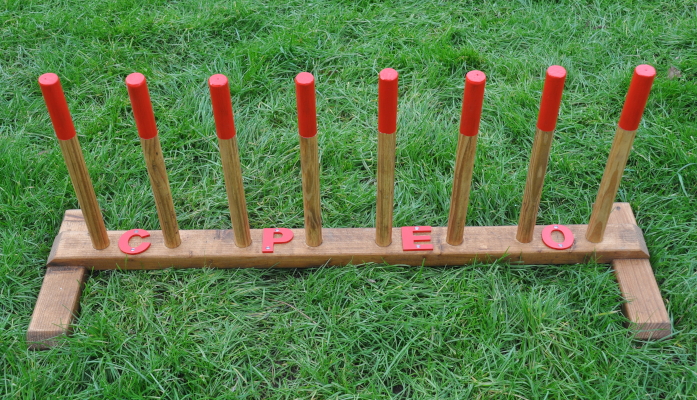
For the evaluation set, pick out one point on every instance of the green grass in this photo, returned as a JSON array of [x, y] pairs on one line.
[[369, 331]]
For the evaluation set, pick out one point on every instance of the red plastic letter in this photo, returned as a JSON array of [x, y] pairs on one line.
[[268, 239], [126, 237], [547, 237], [409, 239]]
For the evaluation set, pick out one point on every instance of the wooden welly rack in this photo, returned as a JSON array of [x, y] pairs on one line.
[[611, 236]]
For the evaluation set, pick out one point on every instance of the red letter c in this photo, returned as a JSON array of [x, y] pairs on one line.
[[126, 237]]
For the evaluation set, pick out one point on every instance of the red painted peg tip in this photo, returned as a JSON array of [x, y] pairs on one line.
[[472, 103], [307, 108], [388, 84], [57, 106], [217, 81], [142, 107], [551, 98], [637, 96], [222, 106]]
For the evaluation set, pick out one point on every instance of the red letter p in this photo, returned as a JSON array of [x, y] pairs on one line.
[[268, 239]]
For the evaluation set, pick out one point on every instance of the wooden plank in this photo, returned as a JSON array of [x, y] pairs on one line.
[[73, 221], [341, 246], [621, 213], [56, 306], [644, 308], [59, 298]]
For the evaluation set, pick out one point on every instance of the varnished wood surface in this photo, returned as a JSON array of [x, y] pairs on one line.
[[157, 172], [644, 308], [75, 162], [462, 181], [537, 169], [385, 191], [56, 306], [341, 246], [623, 246], [59, 298], [309, 164], [232, 171], [616, 162]]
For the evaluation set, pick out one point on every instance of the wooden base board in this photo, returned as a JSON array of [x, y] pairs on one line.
[[342, 246], [72, 255], [56, 306], [644, 307], [59, 297]]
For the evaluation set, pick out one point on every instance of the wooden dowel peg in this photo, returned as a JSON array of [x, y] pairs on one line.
[[74, 160], [633, 109], [544, 133], [154, 161], [388, 83], [462, 180], [229, 155], [472, 102], [309, 156]]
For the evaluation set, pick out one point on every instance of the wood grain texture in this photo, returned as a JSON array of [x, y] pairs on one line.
[[309, 164], [462, 181], [623, 246], [385, 191], [341, 246], [232, 171], [537, 169], [621, 213], [59, 298], [644, 308], [616, 162], [157, 172], [75, 162]]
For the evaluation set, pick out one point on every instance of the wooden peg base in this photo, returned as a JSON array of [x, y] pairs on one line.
[[72, 254]]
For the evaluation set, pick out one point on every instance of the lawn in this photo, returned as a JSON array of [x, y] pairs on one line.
[[484, 331]]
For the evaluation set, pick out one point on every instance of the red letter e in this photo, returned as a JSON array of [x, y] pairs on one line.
[[409, 239]]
